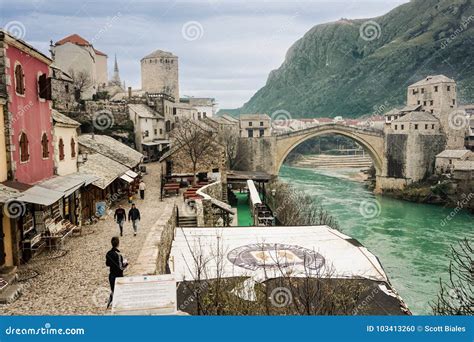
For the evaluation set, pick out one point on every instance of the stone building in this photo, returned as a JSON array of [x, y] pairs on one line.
[[205, 106], [255, 125], [62, 90], [159, 73], [75, 55], [437, 95], [446, 160], [151, 138]]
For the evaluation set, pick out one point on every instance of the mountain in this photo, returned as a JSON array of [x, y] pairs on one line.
[[357, 67]]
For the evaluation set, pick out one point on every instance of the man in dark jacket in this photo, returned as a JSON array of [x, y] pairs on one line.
[[117, 264], [120, 217], [134, 216]]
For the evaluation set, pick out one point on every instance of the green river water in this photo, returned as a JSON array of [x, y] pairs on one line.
[[408, 238]]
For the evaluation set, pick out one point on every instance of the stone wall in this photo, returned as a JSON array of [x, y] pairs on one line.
[[257, 154], [153, 258]]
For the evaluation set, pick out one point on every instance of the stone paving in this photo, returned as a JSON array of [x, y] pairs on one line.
[[77, 283]]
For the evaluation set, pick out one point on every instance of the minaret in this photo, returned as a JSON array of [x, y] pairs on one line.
[[116, 77]]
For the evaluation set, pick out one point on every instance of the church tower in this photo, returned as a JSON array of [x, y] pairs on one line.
[[116, 78]]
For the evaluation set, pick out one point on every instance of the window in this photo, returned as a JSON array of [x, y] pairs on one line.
[[250, 123], [402, 127], [262, 132], [418, 101], [199, 115], [250, 133], [432, 126], [168, 126], [174, 110], [204, 114], [61, 149], [66, 88], [73, 148], [24, 155], [416, 126], [396, 126], [422, 90], [424, 103], [261, 123], [161, 130], [454, 102], [19, 80], [156, 131], [44, 145], [449, 88], [431, 102], [44, 87], [426, 126], [432, 111], [436, 89], [414, 91]]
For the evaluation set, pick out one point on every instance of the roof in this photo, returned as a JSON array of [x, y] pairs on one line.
[[111, 148], [104, 168], [7, 193], [245, 175], [254, 117], [74, 39], [38, 194], [62, 74], [143, 111], [4, 35], [158, 54], [100, 53], [453, 154], [432, 80], [63, 119], [393, 111], [198, 101], [416, 116], [229, 118], [410, 108], [251, 252], [124, 95]]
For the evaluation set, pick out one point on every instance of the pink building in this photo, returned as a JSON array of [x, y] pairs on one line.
[[31, 157]]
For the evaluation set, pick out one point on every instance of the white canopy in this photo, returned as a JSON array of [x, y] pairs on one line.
[[254, 196], [266, 252]]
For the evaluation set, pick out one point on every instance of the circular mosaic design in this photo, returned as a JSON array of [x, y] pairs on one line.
[[273, 255]]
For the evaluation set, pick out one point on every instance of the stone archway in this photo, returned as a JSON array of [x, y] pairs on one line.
[[371, 140]]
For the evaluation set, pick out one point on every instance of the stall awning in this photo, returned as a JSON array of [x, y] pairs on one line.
[[65, 184], [254, 196], [126, 178], [40, 195], [155, 142], [131, 174]]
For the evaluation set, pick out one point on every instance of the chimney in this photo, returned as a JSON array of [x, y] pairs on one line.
[[129, 92]]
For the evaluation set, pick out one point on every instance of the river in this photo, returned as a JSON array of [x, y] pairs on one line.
[[411, 240]]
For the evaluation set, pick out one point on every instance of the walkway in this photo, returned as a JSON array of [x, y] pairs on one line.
[[77, 283]]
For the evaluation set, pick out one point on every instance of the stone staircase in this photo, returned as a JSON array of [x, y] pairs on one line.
[[187, 221], [10, 289]]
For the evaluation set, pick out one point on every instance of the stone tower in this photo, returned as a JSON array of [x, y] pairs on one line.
[[159, 72], [437, 95]]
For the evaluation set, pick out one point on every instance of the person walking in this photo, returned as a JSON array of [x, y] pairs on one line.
[[117, 264], [120, 217], [134, 216], [142, 188]]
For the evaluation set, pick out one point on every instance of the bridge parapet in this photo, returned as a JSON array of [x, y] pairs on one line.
[[331, 126]]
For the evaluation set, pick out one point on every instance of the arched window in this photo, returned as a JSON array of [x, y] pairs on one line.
[[73, 148], [61, 149], [24, 155], [19, 80], [45, 145]]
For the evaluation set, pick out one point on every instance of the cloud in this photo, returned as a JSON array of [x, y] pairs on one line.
[[241, 41]]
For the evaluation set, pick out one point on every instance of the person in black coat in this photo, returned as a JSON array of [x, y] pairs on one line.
[[134, 216], [117, 264]]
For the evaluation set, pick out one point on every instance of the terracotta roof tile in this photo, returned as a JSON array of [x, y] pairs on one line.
[[74, 39]]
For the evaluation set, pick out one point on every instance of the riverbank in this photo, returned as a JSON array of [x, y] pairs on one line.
[[411, 240]]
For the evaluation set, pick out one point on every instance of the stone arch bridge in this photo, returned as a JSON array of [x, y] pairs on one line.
[[372, 140]]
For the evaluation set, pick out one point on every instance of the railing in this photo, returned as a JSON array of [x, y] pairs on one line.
[[329, 125]]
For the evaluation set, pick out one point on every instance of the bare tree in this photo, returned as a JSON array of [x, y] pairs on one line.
[[81, 82], [197, 144], [456, 296], [294, 207], [229, 138]]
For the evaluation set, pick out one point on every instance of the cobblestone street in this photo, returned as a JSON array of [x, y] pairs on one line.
[[77, 282]]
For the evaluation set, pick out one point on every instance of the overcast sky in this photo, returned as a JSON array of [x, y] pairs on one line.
[[226, 48]]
